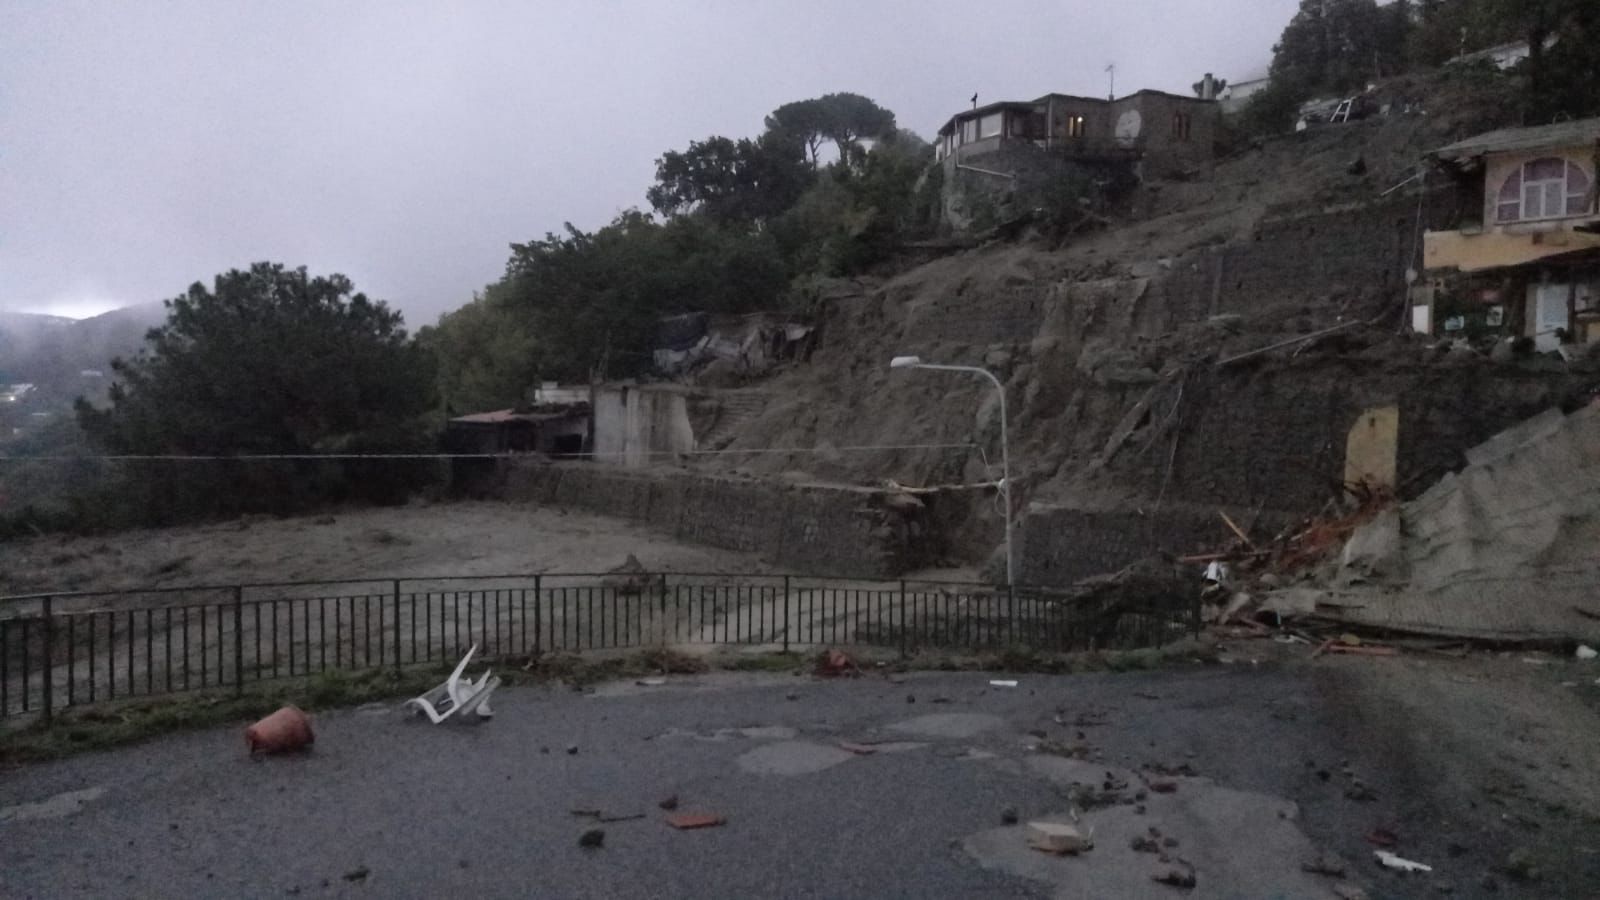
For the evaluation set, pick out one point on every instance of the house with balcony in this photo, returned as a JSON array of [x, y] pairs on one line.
[[1525, 258], [1165, 132]]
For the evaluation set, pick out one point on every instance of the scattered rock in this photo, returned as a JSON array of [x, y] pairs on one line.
[[1519, 865], [1008, 816], [594, 837], [1360, 792], [1057, 838], [1144, 844], [669, 802], [1325, 864], [572, 749], [1346, 891], [545, 750], [359, 873], [1177, 878], [792, 695], [1444, 887], [910, 698], [1164, 787]]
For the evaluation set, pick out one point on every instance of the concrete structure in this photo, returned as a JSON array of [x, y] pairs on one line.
[[554, 431], [1525, 257], [832, 529], [1501, 56], [1233, 98], [1165, 132], [636, 424]]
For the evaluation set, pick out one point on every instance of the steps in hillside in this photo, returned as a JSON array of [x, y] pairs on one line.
[[735, 412]]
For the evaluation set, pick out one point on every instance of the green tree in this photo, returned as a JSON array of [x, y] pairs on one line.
[[845, 119], [269, 360], [730, 181]]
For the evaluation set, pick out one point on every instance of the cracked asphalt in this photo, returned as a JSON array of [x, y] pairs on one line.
[[389, 806]]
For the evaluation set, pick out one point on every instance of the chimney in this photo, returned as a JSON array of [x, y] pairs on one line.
[[1208, 87]]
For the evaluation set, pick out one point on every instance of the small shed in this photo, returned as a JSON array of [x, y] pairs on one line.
[[554, 430]]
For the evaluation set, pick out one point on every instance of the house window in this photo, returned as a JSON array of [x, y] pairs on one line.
[[989, 126], [969, 131], [1180, 126], [1549, 188], [1074, 126]]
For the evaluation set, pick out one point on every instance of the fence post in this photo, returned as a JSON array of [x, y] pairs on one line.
[[786, 623], [397, 660], [903, 611], [49, 656], [663, 604], [238, 639], [538, 616]]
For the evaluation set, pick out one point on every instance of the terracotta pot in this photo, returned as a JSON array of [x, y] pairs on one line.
[[284, 731]]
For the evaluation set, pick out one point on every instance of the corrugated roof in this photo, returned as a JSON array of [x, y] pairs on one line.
[[1561, 134], [502, 416]]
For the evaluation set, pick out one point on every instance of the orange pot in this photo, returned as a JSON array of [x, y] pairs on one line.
[[284, 731]]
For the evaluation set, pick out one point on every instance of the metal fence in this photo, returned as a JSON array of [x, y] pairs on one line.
[[64, 650]]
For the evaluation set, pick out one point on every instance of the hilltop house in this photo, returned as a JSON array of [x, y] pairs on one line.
[[1526, 259], [1236, 95], [1166, 132]]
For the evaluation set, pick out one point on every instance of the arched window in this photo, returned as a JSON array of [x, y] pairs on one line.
[[1547, 188]]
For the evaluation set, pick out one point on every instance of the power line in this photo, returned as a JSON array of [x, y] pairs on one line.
[[182, 457]]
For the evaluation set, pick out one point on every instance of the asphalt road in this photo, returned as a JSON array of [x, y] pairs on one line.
[[388, 806]]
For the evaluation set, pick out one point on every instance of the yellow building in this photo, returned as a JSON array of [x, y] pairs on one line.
[[1525, 260]]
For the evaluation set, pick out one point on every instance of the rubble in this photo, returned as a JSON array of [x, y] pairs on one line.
[[1059, 839], [1524, 515], [1390, 861], [691, 821]]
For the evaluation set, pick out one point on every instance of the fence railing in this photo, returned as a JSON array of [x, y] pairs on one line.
[[64, 650]]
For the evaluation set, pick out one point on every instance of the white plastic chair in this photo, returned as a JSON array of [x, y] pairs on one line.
[[458, 695]]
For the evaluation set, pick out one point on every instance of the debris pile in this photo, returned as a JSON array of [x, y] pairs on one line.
[[1506, 550]]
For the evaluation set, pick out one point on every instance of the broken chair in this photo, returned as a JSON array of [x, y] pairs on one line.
[[458, 695]]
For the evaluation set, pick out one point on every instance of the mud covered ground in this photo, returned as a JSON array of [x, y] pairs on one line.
[[1482, 768], [414, 541]]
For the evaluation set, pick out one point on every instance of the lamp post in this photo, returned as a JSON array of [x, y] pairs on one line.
[[915, 362]]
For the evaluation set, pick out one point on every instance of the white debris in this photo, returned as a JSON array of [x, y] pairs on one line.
[[1003, 683], [1587, 652]]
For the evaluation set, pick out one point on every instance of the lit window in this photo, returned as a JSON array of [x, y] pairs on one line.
[[1547, 188], [1075, 126]]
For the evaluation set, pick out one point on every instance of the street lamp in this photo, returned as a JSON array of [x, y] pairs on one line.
[[915, 362]]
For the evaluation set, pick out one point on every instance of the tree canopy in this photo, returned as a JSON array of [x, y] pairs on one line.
[[844, 119], [268, 360], [1336, 46], [742, 224]]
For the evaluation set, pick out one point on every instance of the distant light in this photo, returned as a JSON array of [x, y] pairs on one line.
[[905, 362]]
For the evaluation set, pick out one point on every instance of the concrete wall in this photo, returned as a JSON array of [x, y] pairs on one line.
[[824, 530], [1062, 545], [1361, 256], [1165, 150], [635, 425]]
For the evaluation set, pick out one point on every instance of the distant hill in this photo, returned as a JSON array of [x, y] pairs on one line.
[[51, 351]]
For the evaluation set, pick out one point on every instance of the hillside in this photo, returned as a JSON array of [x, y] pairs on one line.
[[1124, 427]]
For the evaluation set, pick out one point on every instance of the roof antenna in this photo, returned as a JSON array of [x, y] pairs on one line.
[[1111, 70], [974, 100]]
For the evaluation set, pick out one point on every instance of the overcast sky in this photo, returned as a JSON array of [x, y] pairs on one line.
[[146, 145]]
